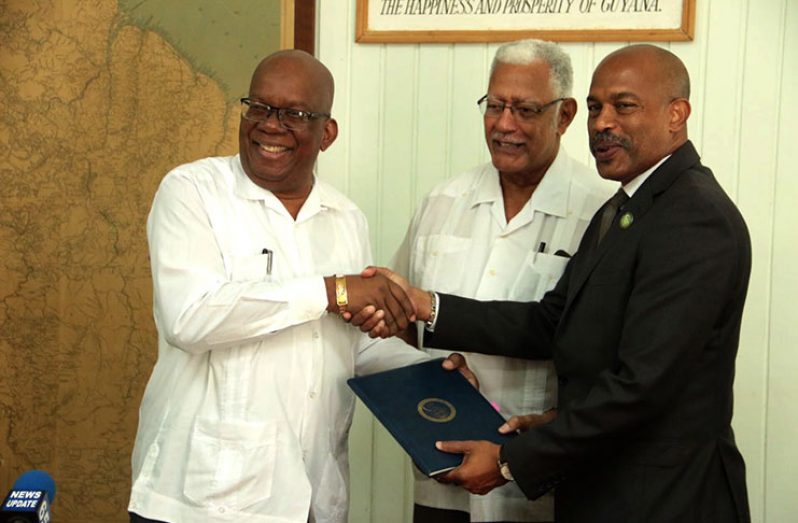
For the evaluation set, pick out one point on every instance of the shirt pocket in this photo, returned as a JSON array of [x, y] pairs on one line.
[[230, 463], [439, 261], [539, 274], [251, 267]]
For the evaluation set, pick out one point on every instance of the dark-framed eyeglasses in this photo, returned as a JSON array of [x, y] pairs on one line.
[[291, 119], [524, 111]]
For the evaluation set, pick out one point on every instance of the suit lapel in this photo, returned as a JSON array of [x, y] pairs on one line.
[[630, 216]]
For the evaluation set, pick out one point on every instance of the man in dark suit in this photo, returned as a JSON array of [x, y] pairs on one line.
[[643, 326]]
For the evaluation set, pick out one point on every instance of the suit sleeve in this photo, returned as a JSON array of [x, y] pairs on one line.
[[503, 328]]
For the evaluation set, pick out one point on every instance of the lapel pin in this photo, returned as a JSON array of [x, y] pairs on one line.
[[626, 220]]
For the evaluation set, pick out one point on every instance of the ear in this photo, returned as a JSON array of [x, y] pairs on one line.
[[330, 133], [566, 115], [679, 112]]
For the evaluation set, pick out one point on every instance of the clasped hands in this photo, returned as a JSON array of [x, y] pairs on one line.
[[380, 302]]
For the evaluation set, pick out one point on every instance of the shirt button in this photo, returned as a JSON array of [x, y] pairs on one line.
[[312, 395], [315, 335], [221, 510]]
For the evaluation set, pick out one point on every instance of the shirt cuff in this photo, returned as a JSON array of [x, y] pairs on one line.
[[307, 297]]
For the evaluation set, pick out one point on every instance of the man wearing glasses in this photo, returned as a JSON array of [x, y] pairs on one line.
[[505, 230], [247, 412]]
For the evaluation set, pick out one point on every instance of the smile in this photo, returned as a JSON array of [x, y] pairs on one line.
[[507, 145], [273, 149]]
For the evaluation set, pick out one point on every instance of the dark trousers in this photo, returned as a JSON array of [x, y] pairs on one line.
[[422, 514], [135, 518]]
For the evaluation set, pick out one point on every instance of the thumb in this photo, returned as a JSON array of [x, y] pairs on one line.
[[452, 447], [369, 271]]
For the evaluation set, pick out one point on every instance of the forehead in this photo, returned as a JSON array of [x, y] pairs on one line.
[[521, 82], [627, 75], [287, 82]]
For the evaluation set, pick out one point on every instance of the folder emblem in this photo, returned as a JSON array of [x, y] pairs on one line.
[[436, 410]]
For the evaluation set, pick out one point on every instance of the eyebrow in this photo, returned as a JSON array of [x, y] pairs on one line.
[[616, 96]]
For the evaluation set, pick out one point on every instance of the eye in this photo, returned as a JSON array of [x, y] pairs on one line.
[[593, 109], [494, 106], [295, 114], [257, 110], [625, 107], [525, 111]]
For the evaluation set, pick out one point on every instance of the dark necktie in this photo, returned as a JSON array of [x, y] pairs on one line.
[[609, 212]]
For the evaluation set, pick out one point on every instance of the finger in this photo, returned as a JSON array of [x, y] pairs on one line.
[[512, 425], [445, 478], [453, 447], [507, 428], [369, 271], [380, 331], [388, 273], [346, 316], [458, 361], [372, 322], [395, 318], [403, 299], [454, 361], [363, 315]]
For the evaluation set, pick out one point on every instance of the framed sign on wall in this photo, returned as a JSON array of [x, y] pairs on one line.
[[446, 21]]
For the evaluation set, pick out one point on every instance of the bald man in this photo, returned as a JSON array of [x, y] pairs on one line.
[[247, 412], [643, 326]]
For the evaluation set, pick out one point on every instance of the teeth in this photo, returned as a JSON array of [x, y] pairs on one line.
[[273, 148]]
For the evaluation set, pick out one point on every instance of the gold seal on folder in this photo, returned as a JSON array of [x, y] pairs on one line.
[[436, 410]]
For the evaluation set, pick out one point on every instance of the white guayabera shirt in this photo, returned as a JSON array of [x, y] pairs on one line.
[[247, 412], [460, 242]]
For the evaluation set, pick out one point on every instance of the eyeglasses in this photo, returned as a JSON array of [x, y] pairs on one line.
[[291, 119], [524, 111]]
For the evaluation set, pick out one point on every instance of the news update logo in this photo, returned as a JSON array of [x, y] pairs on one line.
[[19, 505]]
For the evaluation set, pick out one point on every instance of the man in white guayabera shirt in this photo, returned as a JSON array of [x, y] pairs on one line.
[[504, 231], [247, 412]]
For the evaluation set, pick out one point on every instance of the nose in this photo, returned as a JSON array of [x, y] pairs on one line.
[[604, 120], [506, 121], [271, 123]]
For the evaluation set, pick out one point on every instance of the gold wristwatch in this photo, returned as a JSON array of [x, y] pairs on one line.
[[341, 296]]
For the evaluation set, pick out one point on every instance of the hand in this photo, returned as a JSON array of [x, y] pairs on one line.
[[528, 421], [380, 297], [369, 319], [458, 361], [479, 472]]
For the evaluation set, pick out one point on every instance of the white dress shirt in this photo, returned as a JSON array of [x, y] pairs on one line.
[[460, 242], [247, 412]]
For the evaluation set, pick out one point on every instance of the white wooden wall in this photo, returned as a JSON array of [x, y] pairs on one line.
[[408, 119]]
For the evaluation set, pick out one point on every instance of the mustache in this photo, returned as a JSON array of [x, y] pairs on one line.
[[607, 138]]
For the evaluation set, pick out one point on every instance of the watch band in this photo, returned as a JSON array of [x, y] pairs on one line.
[[341, 296], [504, 468], [433, 312]]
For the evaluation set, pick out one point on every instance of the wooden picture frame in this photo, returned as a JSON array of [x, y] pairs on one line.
[[449, 21], [298, 25]]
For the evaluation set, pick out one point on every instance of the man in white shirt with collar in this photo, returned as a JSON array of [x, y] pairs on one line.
[[504, 231], [247, 412]]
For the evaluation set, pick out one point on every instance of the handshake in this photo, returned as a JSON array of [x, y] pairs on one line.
[[378, 301]]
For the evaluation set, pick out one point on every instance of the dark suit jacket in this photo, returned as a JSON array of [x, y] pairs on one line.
[[643, 329]]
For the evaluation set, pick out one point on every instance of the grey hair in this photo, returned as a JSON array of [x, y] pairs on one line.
[[524, 52]]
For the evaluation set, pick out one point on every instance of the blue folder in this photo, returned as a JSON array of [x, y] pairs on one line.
[[424, 403]]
